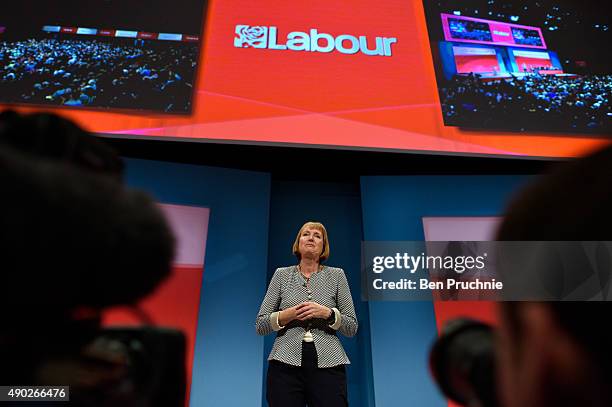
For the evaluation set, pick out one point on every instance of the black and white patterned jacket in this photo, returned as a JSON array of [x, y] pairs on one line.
[[288, 288]]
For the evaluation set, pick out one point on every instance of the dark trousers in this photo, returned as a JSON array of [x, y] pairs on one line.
[[298, 386]]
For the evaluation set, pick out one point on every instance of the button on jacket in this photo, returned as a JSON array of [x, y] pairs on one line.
[[287, 289]]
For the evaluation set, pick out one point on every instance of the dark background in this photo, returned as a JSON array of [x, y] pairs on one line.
[[172, 16], [325, 164]]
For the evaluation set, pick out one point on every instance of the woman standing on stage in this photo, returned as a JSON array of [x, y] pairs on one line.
[[307, 304]]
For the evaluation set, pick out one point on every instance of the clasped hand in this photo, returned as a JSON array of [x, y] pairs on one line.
[[310, 309]]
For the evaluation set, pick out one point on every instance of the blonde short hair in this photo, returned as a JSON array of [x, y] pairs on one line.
[[313, 225]]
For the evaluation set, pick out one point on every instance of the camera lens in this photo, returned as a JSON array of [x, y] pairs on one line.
[[462, 362]]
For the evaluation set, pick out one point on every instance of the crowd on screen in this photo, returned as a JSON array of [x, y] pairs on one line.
[[526, 37], [469, 30], [531, 102], [98, 73]]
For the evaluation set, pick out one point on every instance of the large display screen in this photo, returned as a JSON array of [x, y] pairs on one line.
[[107, 54], [527, 61], [527, 37], [554, 72], [471, 59], [358, 75], [479, 31]]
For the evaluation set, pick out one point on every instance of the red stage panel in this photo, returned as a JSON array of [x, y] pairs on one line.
[[475, 60], [529, 60], [484, 311], [462, 229], [176, 302]]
